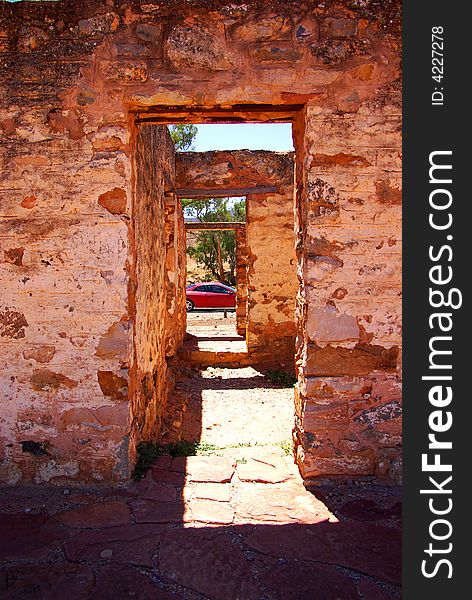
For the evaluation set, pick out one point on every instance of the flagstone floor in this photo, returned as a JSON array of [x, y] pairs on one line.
[[237, 526], [234, 522]]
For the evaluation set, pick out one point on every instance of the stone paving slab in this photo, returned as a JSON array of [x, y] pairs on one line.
[[161, 493], [269, 470], [100, 514], [168, 477], [209, 511], [188, 556], [370, 549], [130, 544], [149, 511], [219, 492], [299, 582], [279, 504], [202, 527], [29, 536], [210, 469]]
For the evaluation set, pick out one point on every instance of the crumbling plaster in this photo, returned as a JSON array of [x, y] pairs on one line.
[[74, 75]]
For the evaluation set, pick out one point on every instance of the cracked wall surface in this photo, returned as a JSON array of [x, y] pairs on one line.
[[74, 78], [158, 281], [272, 267], [350, 304]]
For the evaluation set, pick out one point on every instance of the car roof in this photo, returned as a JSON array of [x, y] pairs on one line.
[[210, 283]]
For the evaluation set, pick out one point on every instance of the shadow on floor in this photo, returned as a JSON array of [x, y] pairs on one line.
[[149, 542], [232, 524]]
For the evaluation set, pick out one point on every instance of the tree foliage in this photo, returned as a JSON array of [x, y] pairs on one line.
[[183, 136], [216, 250]]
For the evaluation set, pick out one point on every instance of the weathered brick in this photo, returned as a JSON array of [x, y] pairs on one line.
[[104, 287]]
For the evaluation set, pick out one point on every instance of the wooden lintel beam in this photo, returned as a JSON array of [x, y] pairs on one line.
[[237, 113], [223, 193], [160, 119], [215, 225]]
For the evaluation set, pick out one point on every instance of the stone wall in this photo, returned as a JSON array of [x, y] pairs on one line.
[[176, 270], [77, 78], [349, 396], [158, 279], [272, 272], [241, 279], [65, 333]]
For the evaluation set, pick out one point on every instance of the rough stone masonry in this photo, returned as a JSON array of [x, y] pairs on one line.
[[85, 91]]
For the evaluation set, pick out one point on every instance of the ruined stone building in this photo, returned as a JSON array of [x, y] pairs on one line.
[[92, 238]]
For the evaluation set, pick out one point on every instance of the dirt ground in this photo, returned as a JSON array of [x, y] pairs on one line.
[[233, 406], [212, 318], [240, 406]]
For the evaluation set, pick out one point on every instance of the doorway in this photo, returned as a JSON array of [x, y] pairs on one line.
[[257, 342]]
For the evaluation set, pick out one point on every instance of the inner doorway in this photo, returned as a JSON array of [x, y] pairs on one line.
[[266, 284], [239, 209], [216, 291]]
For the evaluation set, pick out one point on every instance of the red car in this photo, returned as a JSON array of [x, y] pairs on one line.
[[211, 294]]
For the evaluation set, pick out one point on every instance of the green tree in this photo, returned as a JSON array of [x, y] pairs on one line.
[[183, 136], [214, 249]]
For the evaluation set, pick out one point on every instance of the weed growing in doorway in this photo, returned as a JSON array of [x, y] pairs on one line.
[[149, 451], [282, 378], [287, 447]]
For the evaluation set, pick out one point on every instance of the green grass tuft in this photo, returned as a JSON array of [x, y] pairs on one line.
[[282, 378], [287, 447], [149, 451]]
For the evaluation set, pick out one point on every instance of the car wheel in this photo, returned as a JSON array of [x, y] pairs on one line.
[[189, 305]]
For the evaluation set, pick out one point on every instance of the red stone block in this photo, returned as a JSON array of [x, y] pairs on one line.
[[370, 549], [207, 562], [209, 511], [216, 469], [295, 581], [150, 511], [261, 470], [129, 544], [99, 514], [29, 536]]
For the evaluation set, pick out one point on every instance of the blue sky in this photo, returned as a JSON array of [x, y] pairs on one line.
[[245, 136]]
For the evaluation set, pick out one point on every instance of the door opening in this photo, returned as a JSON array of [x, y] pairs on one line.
[[244, 337]]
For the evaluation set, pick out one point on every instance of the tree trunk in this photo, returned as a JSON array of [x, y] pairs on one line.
[[219, 259]]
